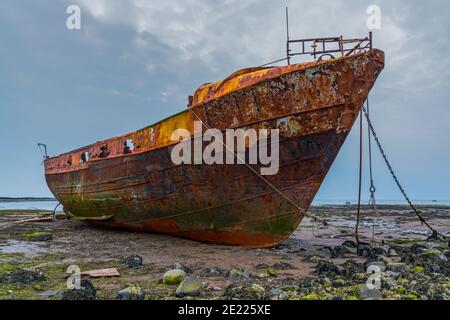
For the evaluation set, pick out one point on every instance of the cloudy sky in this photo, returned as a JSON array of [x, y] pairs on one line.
[[136, 61]]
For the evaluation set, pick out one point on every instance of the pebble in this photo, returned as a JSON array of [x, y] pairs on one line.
[[186, 269], [212, 272], [86, 292], [364, 250], [418, 248], [370, 294], [134, 261], [397, 267], [250, 292], [238, 274], [132, 292], [326, 268], [190, 286], [174, 276]]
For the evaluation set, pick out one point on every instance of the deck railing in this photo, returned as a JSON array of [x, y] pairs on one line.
[[327, 47]]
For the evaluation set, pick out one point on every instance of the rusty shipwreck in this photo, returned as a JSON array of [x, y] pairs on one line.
[[130, 181]]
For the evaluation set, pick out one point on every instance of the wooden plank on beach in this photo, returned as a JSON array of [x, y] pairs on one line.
[[108, 272], [41, 219]]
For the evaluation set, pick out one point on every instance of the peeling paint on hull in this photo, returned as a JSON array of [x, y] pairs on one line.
[[313, 105]]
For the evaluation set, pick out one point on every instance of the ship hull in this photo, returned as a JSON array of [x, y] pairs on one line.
[[314, 108]]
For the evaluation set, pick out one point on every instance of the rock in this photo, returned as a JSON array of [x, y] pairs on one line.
[[247, 292], [271, 272], [174, 277], [380, 261], [262, 266], [86, 292], [364, 250], [283, 296], [392, 275], [262, 275], [408, 258], [288, 288], [313, 259], [338, 251], [325, 282], [60, 216], [132, 292], [350, 244], [259, 291], [350, 268], [326, 268], [190, 286], [397, 267], [277, 294], [134, 261], [305, 283], [435, 268], [238, 274], [418, 269], [418, 248], [380, 264], [388, 280], [422, 288], [212, 272], [22, 277], [378, 251], [384, 259], [40, 236], [337, 283], [435, 256], [274, 292], [370, 294], [182, 267], [409, 297], [283, 266], [311, 296], [392, 252]]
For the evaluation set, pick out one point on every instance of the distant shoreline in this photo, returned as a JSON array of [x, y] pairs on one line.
[[24, 199]]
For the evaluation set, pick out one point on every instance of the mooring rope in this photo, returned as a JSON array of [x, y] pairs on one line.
[[301, 210]]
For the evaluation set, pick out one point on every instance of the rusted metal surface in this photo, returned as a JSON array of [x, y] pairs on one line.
[[326, 47], [313, 105]]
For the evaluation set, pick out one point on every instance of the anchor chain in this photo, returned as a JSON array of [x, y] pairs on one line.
[[372, 202], [394, 176]]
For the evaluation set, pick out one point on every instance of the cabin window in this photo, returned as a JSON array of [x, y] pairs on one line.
[[69, 161], [104, 152], [128, 146], [84, 157]]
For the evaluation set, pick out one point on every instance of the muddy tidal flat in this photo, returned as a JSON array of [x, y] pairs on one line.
[[315, 263]]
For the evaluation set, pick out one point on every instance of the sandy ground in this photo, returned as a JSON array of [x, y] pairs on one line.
[[75, 243]]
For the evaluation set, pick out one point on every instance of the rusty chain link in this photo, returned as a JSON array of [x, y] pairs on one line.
[[394, 176]]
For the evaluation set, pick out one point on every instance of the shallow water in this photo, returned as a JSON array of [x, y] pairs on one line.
[[28, 205], [14, 246]]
